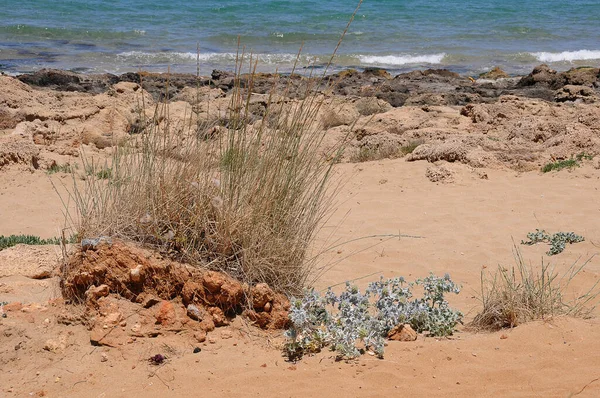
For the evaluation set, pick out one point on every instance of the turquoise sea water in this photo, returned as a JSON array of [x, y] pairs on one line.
[[466, 36]]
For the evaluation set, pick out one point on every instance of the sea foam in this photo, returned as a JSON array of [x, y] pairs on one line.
[[401, 59], [185, 57], [568, 56]]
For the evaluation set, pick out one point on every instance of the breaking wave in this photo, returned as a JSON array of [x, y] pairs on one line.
[[401, 59], [568, 56]]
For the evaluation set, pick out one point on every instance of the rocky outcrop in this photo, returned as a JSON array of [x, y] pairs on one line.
[[174, 293]]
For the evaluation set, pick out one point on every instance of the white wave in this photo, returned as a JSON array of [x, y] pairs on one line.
[[401, 59], [166, 57], [568, 56]]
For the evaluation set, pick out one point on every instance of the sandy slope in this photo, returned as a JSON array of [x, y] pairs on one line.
[[465, 225]]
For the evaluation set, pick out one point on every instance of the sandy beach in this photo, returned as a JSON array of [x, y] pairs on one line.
[[459, 202]]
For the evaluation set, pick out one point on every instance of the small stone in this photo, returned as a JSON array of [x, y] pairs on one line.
[[212, 340], [226, 334], [136, 328], [200, 336], [195, 313], [474, 354], [166, 313], [55, 346], [267, 307], [261, 295], [103, 357], [503, 337], [113, 319], [95, 292], [264, 365], [197, 350], [135, 274], [402, 333]]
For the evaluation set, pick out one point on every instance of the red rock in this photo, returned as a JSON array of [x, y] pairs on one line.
[[402, 333], [192, 292], [262, 294], [232, 294], [166, 313], [218, 316], [95, 292], [207, 324], [200, 336], [213, 281], [15, 306]]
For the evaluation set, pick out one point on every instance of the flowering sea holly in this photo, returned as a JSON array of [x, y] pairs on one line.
[[353, 322]]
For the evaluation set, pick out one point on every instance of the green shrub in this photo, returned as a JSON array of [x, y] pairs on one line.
[[559, 165], [411, 146], [354, 322], [62, 168], [12, 240], [557, 241]]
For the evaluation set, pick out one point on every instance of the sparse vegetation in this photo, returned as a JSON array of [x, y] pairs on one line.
[[522, 293], [410, 147], [559, 165], [385, 151], [60, 168], [367, 154], [557, 241], [247, 202], [584, 156], [102, 173], [353, 322], [568, 163], [12, 240]]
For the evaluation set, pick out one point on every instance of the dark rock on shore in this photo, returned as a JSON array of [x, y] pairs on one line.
[[495, 74], [417, 88], [68, 81]]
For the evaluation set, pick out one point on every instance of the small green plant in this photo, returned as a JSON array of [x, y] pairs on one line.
[[60, 168], [521, 294], [12, 240], [584, 156], [411, 146], [557, 241], [559, 165], [353, 322], [103, 173], [367, 154]]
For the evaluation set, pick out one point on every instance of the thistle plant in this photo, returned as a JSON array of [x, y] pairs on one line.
[[353, 323], [557, 241]]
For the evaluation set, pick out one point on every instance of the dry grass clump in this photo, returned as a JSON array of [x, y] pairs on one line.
[[368, 154], [521, 294], [246, 200]]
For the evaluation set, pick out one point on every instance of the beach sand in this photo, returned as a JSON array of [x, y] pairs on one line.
[[464, 216]]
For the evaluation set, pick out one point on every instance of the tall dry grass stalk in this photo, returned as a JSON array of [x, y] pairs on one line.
[[519, 294], [246, 199]]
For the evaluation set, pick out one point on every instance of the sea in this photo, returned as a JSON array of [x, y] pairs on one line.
[[197, 36]]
